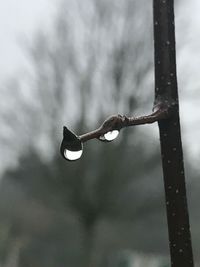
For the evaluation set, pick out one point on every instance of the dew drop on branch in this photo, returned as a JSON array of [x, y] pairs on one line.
[[109, 136], [72, 155], [71, 147]]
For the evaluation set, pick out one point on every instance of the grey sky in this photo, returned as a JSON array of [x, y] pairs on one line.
[[19, 18]]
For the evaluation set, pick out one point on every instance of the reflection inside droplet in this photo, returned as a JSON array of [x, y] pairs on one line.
[[72, 155], [109, 136]]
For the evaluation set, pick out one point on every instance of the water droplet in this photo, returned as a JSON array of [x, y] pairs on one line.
[[72, 155], [109, 136], [71, 147], [168, 42], [177, 191], [180, 250]]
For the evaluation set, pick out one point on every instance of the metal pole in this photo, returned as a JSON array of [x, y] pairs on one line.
[[170, 135]]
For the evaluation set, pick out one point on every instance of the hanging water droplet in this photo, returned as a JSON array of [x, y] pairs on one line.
[[71, 147], [72, 155], [109, 136]]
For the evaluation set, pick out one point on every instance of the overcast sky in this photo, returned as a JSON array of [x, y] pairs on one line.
[[21, 18]]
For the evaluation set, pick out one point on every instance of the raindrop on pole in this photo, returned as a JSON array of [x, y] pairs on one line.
[[109, 136], [71, 147]]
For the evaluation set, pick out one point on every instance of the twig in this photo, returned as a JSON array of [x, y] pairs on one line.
[[117, 122]]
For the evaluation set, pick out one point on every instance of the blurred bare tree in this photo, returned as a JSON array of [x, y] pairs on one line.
[[97, 60]]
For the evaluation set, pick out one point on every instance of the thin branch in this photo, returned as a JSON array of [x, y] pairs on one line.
[[117, 122]]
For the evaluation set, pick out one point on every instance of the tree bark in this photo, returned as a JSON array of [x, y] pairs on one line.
[[170, 135]]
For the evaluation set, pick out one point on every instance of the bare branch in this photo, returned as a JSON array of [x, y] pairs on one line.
[[117, 122]]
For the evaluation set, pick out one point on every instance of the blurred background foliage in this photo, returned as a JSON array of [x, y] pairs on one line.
[[97, 60]]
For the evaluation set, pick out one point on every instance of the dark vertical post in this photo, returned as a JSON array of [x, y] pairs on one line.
[[170, 136]]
